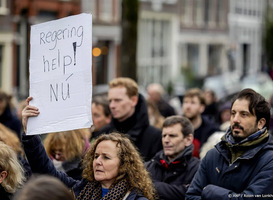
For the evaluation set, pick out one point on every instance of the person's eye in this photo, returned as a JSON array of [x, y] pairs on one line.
[[96, 115], [96, 156]]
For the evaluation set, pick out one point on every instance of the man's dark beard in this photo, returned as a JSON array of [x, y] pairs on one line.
[[237, 139]]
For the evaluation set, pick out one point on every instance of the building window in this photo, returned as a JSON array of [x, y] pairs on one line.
[[193, 57], [221, 12], [101, 59], [214, 53], [211, 12], [199, 20], [154, 51], [186, 15], [106, 10], [4, 7]]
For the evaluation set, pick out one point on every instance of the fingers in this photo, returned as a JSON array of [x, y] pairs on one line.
[[28, 111], [28, 100]]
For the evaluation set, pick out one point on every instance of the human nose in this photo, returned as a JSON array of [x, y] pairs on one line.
[[98, 161], [166, 139], [57, 156], [236, 118], [111, 104], [186, 105]]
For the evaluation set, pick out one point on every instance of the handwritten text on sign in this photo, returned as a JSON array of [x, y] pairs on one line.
[[60, 74]]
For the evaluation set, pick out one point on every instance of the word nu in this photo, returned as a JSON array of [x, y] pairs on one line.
[[59, 92]]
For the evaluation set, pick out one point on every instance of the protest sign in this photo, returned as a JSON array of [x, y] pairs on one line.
[[60, 68]]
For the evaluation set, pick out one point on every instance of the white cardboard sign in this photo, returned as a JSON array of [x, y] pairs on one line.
[[60, 68]]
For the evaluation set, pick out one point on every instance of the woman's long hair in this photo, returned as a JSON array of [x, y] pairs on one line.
[[131, 164], [9, 163], [10, 138], [71, 142]]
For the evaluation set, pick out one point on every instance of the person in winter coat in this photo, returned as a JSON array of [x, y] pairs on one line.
[[173, 168], [193, 106], [241, 165], [66, 149], [8, 115], [155, 118], [101, 114], [130, 116], [156, 93], [11, 172], [112, 168]]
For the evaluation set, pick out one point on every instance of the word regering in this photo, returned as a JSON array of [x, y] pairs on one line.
[[61, 34]]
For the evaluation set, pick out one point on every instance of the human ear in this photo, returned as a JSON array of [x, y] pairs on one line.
[[134, 100], [202, 108], [3, 175], [188, 140], [261, 123]]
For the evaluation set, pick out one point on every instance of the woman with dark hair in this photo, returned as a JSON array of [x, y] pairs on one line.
[[7, 113], [113, 168]]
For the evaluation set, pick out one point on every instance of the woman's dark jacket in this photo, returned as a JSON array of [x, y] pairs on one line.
[[146, 138], [10, 120], [40, 163], [249, 175], [172, 179], [4, 195]]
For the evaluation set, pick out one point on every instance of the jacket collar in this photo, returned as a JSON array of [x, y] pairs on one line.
[[230, 140], [181, 159], [138, 121], [227, 146]]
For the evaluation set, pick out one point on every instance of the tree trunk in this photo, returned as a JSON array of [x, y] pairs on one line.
[[129, 38]]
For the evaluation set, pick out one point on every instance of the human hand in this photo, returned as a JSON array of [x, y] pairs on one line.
[[28, 111]]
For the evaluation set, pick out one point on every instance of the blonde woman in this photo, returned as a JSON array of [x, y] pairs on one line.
[[11, 172], [8, 137], [66, 150], [155, 118]]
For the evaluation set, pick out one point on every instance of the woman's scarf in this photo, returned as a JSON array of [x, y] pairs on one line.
[[92, 191]]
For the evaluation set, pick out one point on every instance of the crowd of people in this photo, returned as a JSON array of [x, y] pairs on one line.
[[140, 148]]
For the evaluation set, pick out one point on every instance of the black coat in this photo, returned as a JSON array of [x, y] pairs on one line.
[[165, 109], [146, 138], [202, 133], [10, 120], [4, 195], [172, 182]]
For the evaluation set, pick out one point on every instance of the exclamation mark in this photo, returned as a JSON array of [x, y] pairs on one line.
[[74, 47]]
